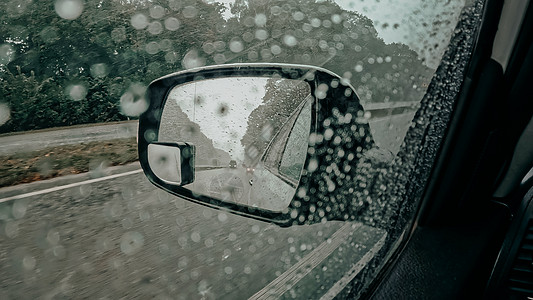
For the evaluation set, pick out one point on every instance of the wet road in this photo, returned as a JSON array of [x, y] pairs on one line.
[[124, 238]]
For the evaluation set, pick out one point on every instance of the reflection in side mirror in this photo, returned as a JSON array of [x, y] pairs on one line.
[[245, 129], [280, 143], [173, 163]]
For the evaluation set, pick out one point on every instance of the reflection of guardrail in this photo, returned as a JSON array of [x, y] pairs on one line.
[[203, 168], [388, 105], [378, 110]]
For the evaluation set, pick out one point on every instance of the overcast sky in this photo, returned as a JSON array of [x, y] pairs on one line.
[[222, 114]]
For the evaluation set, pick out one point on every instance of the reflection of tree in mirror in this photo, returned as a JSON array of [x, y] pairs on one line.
[[281, 99]]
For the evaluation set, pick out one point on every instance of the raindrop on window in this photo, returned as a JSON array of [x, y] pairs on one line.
[[131, 242], [236, 46], [298, 16], [261, 34], [157, 12], [139, 21], [69, 9], [290, 40], [190, 12], [260, 20], [193, 60], [76, 92], [172, 24], [99, 70], [155, 27]]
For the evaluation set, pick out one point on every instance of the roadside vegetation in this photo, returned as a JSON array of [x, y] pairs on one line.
[[65, 160], [94, 67]]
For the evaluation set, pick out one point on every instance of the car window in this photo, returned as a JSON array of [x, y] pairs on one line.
[[78, 219], [283, 151], [292, 160]]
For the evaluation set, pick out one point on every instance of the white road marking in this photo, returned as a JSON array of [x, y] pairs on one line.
[[58, 188], [350, 275], [294, 274]]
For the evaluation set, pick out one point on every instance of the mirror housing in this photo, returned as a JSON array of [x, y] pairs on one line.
[[334, 174]]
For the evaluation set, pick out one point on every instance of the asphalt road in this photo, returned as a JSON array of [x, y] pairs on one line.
[[123, 238]]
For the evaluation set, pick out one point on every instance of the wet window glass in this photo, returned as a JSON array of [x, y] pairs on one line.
[[78, 218], [293, 157]]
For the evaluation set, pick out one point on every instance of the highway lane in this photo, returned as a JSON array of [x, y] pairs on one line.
[[124, 238]]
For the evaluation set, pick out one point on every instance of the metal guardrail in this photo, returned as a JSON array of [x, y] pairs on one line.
[[369, 106]]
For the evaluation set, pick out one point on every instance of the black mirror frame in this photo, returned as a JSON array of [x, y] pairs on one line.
[[159, 89]]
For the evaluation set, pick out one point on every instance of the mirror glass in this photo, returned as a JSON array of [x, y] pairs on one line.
[[165, 162], [250, 134]]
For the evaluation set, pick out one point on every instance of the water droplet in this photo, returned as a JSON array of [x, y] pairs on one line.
[[315, 22], [59, 251], [53, 237], [69, 9], [99, 70], [260, 20], [275, 49], [131, 242], [171, 57], [172, 24], [195, 237], [337, 19], [321, 91], [247, 270], [236, 46], [313, 165], [290, 40], [157, 11], [29, 262], [11, 229], [155, 27], [190, 12], [261, 34], [133, 103], [19, 209], [76, 91], [152, 48], [193, 60], [139, 21], [223, 109], [222, 217], [118, 34], [298, 16]]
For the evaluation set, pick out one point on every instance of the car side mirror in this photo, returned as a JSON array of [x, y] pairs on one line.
[[275, 142]]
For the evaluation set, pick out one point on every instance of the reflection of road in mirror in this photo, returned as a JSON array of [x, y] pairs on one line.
[[267, 191]]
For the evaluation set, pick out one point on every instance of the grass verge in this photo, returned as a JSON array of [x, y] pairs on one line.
[[64, 160]]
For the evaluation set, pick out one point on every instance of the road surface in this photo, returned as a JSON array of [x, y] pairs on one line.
[[122, 237]]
